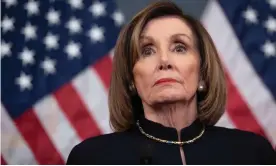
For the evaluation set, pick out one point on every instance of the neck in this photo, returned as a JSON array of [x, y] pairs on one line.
[[177, 115]]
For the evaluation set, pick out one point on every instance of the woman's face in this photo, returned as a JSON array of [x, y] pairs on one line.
[[168, 66]]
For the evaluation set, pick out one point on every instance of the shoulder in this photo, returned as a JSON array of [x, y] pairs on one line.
[[233, 133], [93, 150], [245, 141], [238, 135]]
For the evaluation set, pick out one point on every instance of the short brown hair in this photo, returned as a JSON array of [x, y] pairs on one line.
[[125, 107]]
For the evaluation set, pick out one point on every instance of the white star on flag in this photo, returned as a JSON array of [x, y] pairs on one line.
[[269, 49], [96, 34], [10, 3], [76, 4], [118, 17], [24, 81], [272, 3], [250, 15], [51, 41], [5, 49], [74, 25], [32, 7], [7, 24], [29, 31], [48, 65], [73, 50], [97, 9], [27, 56], [270, 24], [53, 17]]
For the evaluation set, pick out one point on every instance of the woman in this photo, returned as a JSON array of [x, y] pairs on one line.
[[167, 92]]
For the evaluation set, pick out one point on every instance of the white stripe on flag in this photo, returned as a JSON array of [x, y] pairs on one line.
[[225, 121], [93, 93], [250, 86], [56, 125], [13, 146]]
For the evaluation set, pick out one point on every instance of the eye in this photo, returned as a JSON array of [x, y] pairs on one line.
[[146, 51], [179, 48]]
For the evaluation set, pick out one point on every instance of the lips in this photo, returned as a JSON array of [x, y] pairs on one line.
[[164, 80]]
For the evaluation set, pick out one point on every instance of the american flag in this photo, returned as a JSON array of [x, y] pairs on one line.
[[244, 33], [56, 59], [56, 65]]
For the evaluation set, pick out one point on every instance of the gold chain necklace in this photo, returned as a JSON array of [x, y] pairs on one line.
[[170, 142]]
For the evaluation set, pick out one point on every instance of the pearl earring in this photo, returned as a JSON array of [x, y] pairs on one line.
[[132, 87], [201, 86]]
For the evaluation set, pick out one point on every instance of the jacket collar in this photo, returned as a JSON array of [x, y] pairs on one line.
[[167, 133]]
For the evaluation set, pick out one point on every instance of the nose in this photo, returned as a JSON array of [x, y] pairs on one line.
[[164, 62], [165, 66]]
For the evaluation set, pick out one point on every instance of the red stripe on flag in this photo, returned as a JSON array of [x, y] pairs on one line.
[[37, 139], [239, 112], [104, 70], [76, 112], [3, 162]]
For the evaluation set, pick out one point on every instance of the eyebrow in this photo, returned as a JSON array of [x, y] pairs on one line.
[[143, 37], [182, 34]]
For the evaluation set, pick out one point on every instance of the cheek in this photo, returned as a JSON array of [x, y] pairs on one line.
[[143, 74], [189, 71]]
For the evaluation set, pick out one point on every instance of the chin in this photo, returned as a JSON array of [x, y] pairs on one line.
[[168, 98]]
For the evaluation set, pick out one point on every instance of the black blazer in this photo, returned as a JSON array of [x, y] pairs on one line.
[[217, 145]]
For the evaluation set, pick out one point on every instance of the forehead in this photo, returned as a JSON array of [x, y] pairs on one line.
[[166, 26]]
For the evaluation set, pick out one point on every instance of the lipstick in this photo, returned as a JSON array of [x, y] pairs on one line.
[[165, 80]]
